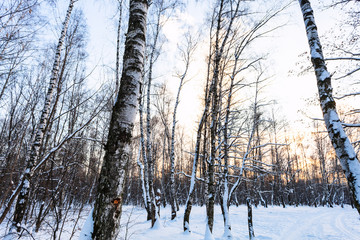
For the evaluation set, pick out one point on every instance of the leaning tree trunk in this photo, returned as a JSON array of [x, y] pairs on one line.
[[108, 204], [23, 197], [191, 195], [339, 139]]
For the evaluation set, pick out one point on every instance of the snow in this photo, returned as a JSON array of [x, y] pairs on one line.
[[26, 184], [324, 75], [208, 234], [269, 223], [157, 225], [315, 54], [274, 223], [87, 228]]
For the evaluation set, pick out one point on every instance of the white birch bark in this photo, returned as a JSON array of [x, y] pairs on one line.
[[220, 44], [339, 139], [31, 159], [173, 198], [213, 125], [225, 187], [202, 125], [142, 177], [118, 37], [190, 198], [108, 204], [148, 124], [147, 201], [172, 155], [225, 195], [250, 221]]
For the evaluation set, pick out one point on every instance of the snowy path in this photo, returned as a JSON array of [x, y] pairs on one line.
[[328, 224], [302, 223]]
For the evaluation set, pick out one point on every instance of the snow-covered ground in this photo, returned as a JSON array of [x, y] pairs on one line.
[[300, 223], [269, 223]]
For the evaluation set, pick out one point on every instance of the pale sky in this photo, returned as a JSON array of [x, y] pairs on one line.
[[284, 47]]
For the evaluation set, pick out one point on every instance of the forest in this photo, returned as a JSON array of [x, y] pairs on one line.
[[174, 105]]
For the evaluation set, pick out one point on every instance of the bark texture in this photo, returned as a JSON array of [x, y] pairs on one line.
[[150, 161], [108, 204], [339, 139], [118, 37], [214, 119], [221, 40], [250, 221], [191, 195], [33, 155]]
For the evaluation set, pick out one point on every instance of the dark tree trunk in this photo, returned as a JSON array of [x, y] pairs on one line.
[[250, 220], [108, 204]]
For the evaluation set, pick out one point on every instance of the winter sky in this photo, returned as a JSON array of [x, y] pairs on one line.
[[284, 46]]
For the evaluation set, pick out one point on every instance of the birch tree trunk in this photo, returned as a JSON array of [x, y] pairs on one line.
[[118, 37], [146, 193], [191, 194], [150, 159], [173, 199], [221, 40], [108, 204], [213, 126], [202, 125], [339, 139], [186, 54], [225, 188], [32, 157], [250, 221], [142, 178]]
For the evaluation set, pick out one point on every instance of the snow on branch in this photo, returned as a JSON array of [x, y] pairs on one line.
[[351, 124], [348, 95], [343, 58], [90, 139], [186, 175], [348, 74], [270, 144], [64, 140]]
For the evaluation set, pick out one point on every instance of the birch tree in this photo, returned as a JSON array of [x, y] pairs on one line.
[[186, 55], [23, 197], [118, 38], [221, 39], [191, 195], [161, 8], [108, 204], [339, 139]]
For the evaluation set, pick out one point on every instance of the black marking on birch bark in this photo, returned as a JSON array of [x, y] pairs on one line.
[[338, 137]]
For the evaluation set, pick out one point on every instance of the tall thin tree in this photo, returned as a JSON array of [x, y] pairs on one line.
[[186, 54], [32, 157]]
